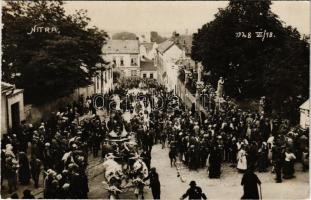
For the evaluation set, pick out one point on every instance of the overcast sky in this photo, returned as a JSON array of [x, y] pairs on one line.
[[167, 16]]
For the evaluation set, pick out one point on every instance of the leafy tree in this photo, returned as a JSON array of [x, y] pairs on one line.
[[124, 36], [48, 64], [276, 67], [155, 37]]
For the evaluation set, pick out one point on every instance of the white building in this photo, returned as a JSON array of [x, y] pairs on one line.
[[148, 70], [147, 50], [12, 107], [305, 114], [167, 55], [103, 79], [124, 54]]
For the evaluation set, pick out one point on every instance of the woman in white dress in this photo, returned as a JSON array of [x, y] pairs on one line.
[[241, 158], [288, 168]]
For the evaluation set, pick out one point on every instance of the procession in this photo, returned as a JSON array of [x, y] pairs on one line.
[[63, 144], [96, 112]]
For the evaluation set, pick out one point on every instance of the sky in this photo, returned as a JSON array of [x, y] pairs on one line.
[[181, 16]]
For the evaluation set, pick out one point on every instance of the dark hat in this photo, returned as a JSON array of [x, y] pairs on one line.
[[192, 183]]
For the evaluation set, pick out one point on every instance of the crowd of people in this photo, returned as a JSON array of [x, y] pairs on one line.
[[245, 139], [59, 147], [58, 151]]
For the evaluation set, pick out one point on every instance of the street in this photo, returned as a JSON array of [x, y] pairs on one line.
[[172, 186], [229, 184]]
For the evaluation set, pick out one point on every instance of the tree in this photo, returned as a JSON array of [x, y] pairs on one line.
[[124, 36], [48, 64], [254, 66], [155, 37]]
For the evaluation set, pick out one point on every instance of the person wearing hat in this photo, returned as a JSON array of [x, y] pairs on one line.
[[249, 182], [194, 192], [154, 183]]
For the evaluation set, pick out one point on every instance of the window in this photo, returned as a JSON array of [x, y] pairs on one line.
[[121, 61], [134, 61], [151, 75], [133, 73], [114, 60], [144, 75], [105, 76]]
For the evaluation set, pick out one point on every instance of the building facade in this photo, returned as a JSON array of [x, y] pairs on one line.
[[12, 107], [124, 55], [167, 55], [148, 70], [305, 114], [103, 79], [147, 50]]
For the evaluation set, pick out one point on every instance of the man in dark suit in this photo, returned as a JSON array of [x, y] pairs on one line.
[[249, 182], [194, 192], [154, 183]]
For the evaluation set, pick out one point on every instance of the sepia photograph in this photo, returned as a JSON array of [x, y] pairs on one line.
[[155, 99]]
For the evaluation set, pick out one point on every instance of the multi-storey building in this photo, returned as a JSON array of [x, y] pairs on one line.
[[124, 55], [168, 53]]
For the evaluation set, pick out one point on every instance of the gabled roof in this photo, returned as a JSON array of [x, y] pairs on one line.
[[305, 105], [164, 46], [121, 46], [6, 86], [147, 45], [184, 42]]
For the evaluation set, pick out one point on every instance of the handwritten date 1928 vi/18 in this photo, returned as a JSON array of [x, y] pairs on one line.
[[258, 34]]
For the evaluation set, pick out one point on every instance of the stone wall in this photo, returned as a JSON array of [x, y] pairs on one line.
[[189, 98], [34, 113]]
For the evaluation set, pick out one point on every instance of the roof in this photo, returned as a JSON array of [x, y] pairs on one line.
[[184, 42], [164, 46], [305, 105], [6, 86], [147, 65], [147, 45], [121, 46]]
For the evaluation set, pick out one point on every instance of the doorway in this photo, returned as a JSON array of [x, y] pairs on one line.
[[15, 116]]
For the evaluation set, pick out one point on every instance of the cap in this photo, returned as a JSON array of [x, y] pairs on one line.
[[192, 183]]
